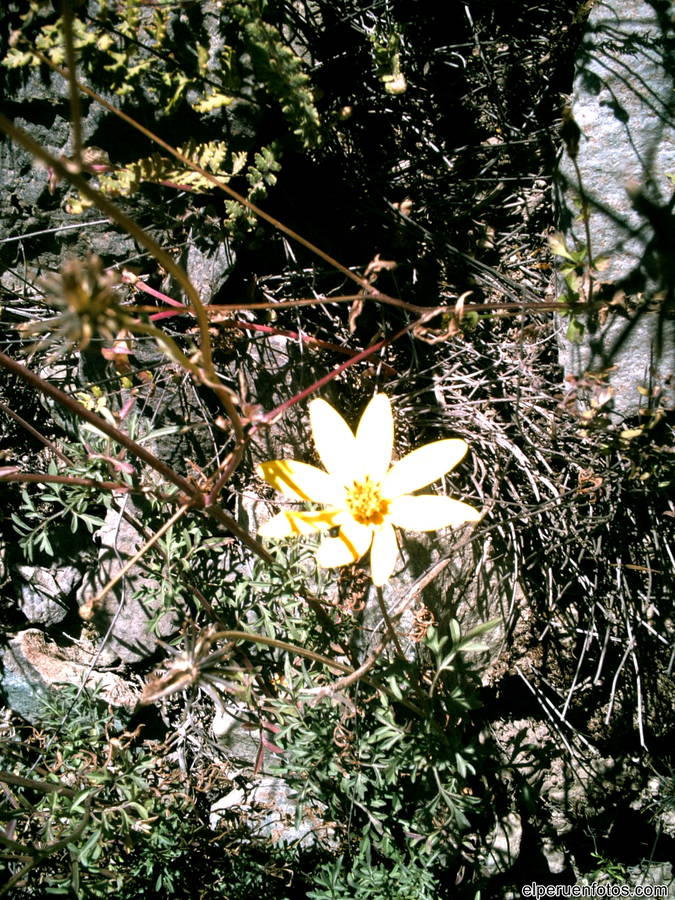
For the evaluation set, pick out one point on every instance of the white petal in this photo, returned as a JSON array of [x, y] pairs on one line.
[[299, 481], [309, 522], [428, 512], [375, 437], [277, 527], [289, 523], [383, 555], [422, 466], [348, 547], [334, 441]]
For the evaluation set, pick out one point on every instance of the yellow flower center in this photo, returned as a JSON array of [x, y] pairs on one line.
[[366, 503]]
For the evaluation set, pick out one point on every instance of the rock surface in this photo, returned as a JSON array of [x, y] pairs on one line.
[[33, 668], [503, 845], [130, 614], [622, 105], [44, 592], [270, 809]]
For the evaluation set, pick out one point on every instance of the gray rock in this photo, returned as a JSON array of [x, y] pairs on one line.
[[44, 593], [208, 267], [638, 379], [449, 583], [270, 810], [131, 615], [503, 845], [275, 369], [651, 873], [33, 668], [28, 211], [622, 104], [554, 856], [230, 730]]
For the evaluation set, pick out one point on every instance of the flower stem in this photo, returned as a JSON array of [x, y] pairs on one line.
[[391, 631]]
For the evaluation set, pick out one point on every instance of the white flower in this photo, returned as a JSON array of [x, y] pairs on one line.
[[364, 495]]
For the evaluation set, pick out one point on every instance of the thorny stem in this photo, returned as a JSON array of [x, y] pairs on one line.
[[209, 376], [302, 338], [369, 291]]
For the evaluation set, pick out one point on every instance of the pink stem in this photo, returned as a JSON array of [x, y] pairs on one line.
[[273, 414], [251, 326]]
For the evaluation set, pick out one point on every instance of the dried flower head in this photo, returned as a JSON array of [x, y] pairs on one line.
[[199, 665], [85, 293]]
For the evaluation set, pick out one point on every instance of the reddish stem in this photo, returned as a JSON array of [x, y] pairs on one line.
[[274, 414], [179, 308], [120, 437]]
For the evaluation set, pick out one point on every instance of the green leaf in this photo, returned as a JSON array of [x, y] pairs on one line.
[[86, 853], [575, 331], [78, 803], [393, 687], [44, 543]]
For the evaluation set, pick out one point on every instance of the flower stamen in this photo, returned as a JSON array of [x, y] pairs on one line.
[[366, 503]]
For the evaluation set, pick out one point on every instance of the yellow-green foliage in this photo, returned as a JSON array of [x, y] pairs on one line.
[[279, 69], [129, 48], [387, 56], [214, 156], [115, 41], [126, 48], [158, 55], [260, 175]]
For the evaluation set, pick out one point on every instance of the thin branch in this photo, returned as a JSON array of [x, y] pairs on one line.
[[46, 786], [36, 434], [89, 607], [165, 259], [316, 657], [74, 95], [224, 518], [390, 630], [191, 490], [41, 478]]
